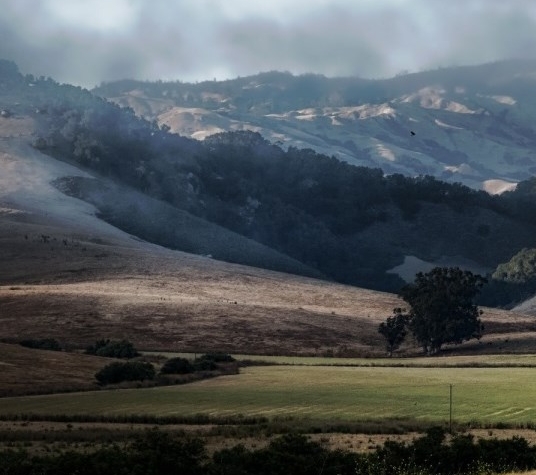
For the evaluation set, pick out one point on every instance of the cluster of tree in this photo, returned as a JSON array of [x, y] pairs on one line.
[[309, 206], [42, 344], [206, 362], [177, 365], [432, 454], [161, 453], [118, 372], [521, 268], [113, 349], [442, 310]]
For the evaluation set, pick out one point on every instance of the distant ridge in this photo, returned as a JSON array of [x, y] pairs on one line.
[[472, 124], [240, 197]]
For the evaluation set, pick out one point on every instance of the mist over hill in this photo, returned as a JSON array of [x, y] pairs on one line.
[[473, 125], [241, 197]]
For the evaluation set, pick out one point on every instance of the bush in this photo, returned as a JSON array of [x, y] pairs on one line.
[[218, 357], [208, 361], [202, 364], [113, 349], [43, 344], [131, 371], [177, 366], [461, 455]]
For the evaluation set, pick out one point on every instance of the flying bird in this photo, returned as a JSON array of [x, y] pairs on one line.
[[412, 133]]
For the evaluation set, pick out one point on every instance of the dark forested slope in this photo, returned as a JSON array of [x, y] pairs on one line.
[[472, 124], [350, 223]]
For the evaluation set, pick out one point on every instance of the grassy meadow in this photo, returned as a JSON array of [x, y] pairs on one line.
[[485, 396], [499, 360]]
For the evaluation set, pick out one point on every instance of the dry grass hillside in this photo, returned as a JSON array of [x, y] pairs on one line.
[[79, 287], [30, 371], [83, 290], [65, 274]]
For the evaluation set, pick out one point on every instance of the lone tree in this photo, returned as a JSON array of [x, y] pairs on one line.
[[394, 330], [442, 307]]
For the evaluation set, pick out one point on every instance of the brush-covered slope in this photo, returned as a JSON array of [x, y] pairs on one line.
[[68, 275], [319, 215], [32, 371], [473, 125]]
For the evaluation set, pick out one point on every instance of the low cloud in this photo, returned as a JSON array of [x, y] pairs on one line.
[[86, 42]]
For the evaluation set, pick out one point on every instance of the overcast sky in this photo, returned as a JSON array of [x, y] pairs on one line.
[[85, 42]]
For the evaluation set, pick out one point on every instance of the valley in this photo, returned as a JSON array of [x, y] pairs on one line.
[[310, 358]]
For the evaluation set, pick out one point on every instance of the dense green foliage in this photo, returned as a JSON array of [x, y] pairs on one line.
[[161, 453], [113, 349], [206, 362], [431, 454], [442, 308], [130, 371], [512, 282], [520, 269], [217, 357]]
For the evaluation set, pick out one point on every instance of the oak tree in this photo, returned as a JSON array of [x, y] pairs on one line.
[[442, 308], [394, 330]]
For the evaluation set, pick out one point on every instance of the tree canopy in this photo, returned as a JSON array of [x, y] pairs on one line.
[[394, 330], [442, 308]]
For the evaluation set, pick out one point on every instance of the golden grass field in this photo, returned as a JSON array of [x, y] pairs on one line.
[[166, 300], [66, 275], [113, 286]]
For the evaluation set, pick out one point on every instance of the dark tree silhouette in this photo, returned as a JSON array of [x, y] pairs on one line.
[[442, 307], [394, 330]]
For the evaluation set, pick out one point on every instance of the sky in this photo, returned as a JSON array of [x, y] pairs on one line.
[[86, 42]]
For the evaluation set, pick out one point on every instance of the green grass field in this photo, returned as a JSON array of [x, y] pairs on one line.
[[484, 395], [500, 360]]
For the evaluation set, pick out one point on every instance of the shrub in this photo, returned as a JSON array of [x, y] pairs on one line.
[[218, 357], [207, 362], [131, 371], [177, 366], [42, 344], [202, 364], [113, 349]]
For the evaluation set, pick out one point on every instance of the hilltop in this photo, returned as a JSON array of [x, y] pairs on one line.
[[69, 275], [237, 197], [472, 124]]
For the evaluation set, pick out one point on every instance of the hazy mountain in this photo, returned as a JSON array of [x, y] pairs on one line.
[[474, 125], [240, 198]]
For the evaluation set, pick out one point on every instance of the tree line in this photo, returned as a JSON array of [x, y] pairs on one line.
[[161, 453], [309, 206]]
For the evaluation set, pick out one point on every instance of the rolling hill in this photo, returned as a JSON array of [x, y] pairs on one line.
[[473, 125], [68, 275], [236, 196]]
